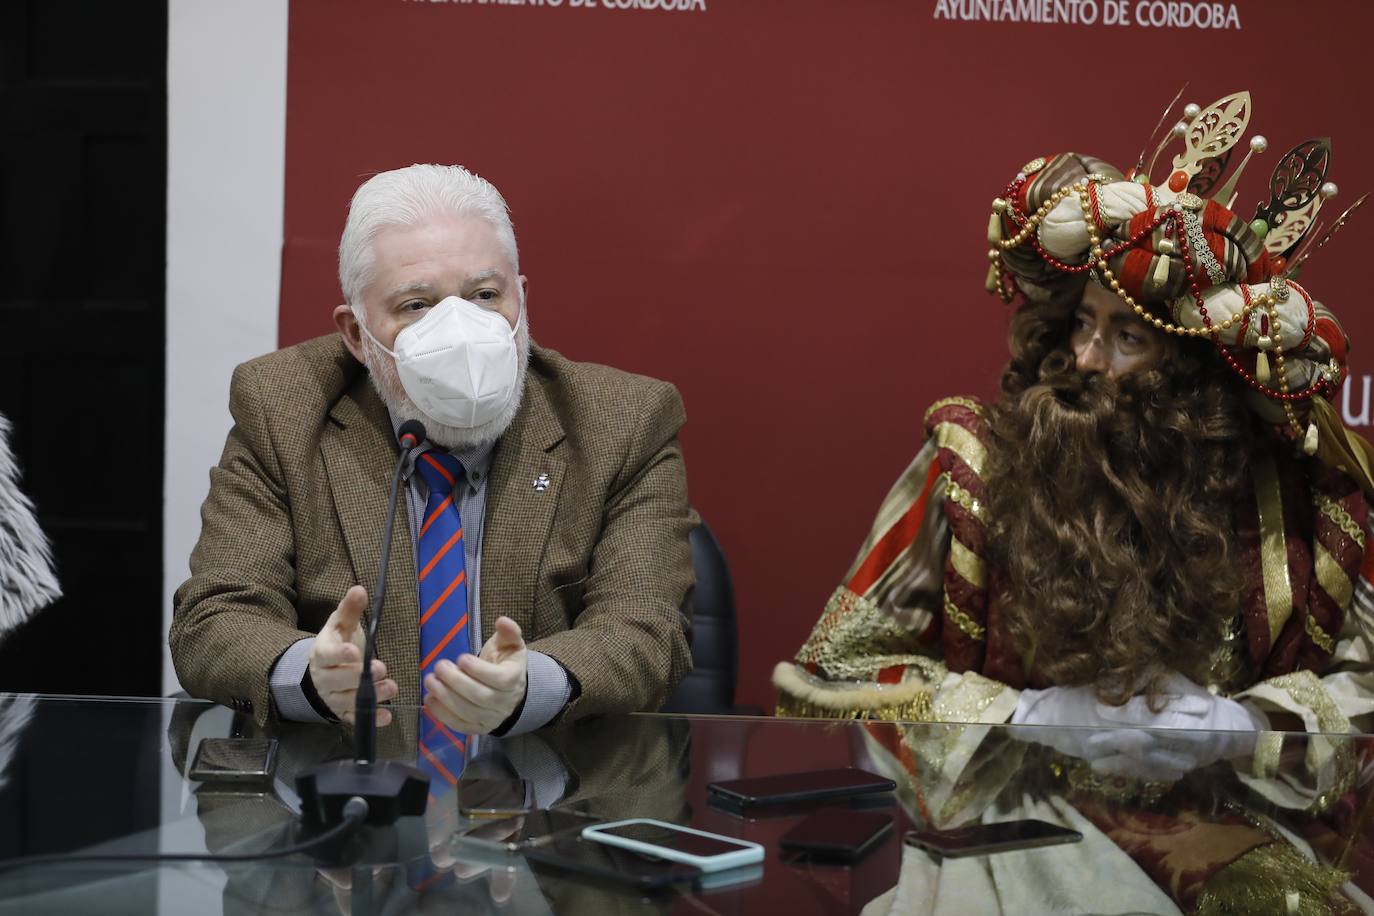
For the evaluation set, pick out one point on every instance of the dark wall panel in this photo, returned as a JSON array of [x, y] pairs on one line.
[[82, 250]]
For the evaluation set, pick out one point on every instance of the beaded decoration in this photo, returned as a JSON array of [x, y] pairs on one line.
[[1183, 224]]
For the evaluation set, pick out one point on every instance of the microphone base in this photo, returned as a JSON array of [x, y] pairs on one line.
[[391, 789]]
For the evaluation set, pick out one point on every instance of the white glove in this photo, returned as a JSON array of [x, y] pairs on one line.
[[1118, 742], [1068, 714]]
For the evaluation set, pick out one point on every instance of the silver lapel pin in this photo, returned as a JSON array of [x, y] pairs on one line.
[[541, 483]]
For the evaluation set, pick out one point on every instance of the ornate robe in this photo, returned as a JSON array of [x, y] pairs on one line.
[[913, 635]]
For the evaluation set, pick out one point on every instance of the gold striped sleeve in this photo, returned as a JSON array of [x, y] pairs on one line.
[[967, 563], [964, 444], [1278, 589]]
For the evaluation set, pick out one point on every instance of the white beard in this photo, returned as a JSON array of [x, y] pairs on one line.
[[381, 368]]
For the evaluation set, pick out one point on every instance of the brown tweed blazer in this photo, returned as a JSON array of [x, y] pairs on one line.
[[595, 569]]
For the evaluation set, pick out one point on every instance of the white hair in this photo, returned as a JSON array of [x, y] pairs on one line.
[[27, 581], [407, 197]]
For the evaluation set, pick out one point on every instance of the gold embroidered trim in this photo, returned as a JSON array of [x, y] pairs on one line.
[[803, 694], [964, 498], [854, 638], [1340, 518], [952, 402], [841, 603], [1306, 690], [964, 444], [1344, 784], [1275, 878], [966, 700], [967, 563], [1081, 777], [1268, 751], [1319, 636], [1332, 578], [1278, 589], [963, 621], [917, 710]]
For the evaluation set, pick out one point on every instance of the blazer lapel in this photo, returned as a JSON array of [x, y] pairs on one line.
[[360, 455], [524, 490]]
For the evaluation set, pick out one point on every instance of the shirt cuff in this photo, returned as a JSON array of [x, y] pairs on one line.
[[547, 691], [539, 765], [288, 675]]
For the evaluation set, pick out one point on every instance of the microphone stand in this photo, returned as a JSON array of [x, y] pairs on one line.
[[390, 788]]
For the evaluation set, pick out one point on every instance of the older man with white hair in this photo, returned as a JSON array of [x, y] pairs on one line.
[[541, 564]]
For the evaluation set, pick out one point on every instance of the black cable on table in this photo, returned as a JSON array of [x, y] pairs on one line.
[[354, 811]]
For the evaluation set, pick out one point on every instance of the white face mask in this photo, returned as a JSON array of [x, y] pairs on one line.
[[459, 363]]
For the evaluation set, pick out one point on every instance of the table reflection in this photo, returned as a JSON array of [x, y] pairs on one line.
[[1281, 823]]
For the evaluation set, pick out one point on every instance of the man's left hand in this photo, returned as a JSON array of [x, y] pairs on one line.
[[480, 692]]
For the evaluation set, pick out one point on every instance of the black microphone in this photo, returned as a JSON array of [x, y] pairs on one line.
[[410, 435], [392, 789]]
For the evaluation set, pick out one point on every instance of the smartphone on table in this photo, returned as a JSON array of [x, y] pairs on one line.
[[985, 839], [482, 797], [236, 761], [795, 788], [838, 834], [709, 852], [571, 853]]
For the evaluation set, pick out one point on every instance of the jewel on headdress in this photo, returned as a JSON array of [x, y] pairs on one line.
[[1180, 177], [1309, 441], [1161, 272], [994, 228], [1190, 201]]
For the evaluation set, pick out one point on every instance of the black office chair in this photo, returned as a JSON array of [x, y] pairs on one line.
[[710, 687]]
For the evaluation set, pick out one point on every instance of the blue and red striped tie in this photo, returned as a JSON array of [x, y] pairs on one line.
[[443, 609]]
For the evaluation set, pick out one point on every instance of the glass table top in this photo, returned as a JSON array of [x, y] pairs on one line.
[[1246, 821]]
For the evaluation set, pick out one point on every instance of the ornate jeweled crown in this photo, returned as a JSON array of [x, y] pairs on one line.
[[1179, 256]]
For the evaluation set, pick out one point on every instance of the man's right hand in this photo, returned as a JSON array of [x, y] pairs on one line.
[[336, 660]]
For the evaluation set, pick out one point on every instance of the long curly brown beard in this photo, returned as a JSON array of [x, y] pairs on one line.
[[1111, 506]]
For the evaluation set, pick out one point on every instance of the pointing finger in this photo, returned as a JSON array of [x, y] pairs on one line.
[[346, 617], [505, 640]]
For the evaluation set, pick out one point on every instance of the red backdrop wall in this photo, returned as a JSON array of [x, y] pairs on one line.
[[780, 206]]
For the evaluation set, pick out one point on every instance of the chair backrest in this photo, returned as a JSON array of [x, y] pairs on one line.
[[710, 687]]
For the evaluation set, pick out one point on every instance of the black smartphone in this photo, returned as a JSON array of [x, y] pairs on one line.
[[610, 863], [478, 797], [516, 834], [884, 801], [838, 834], [791, 788], [238, 761], [984, 839]]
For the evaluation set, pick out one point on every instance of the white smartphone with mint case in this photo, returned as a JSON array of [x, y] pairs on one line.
[[707, 851]]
